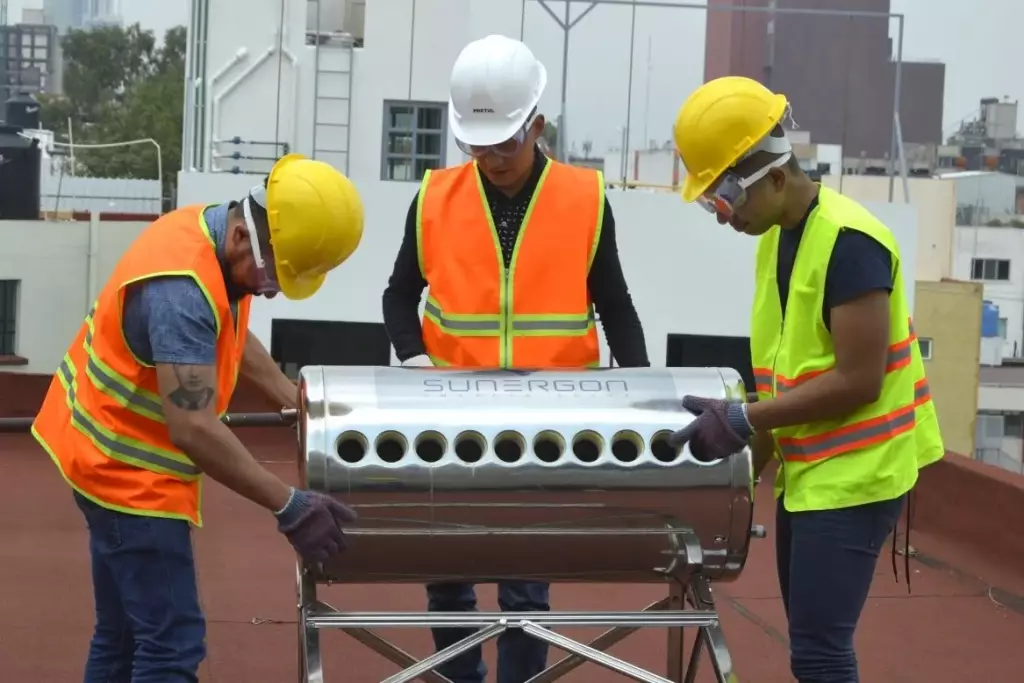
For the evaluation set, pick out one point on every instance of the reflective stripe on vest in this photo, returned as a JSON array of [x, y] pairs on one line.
[[130, 451], [858, 434], [900, 355], [461, 259], [522, 325]]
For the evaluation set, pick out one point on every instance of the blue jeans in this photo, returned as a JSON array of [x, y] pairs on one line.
[[149, 624], [826, 560], [520, 657]]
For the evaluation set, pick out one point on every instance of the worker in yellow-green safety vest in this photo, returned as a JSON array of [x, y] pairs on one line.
[[843, 401]]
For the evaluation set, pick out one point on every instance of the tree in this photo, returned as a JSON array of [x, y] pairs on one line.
[[119, 86], [551, 134]]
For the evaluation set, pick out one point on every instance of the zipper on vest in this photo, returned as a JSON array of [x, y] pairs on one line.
[[507, 336]]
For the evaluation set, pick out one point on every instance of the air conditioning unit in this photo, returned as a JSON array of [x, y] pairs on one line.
[[336, 17]]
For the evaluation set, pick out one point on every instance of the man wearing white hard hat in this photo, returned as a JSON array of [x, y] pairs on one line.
[[518, 251]]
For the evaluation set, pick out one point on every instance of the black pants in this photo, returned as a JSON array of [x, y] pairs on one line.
[[826, 560], [520, 657]]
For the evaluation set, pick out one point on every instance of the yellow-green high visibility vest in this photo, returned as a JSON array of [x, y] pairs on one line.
[[875, 453]]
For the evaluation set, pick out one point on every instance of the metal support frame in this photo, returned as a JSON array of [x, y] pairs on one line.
[[687, 586], [284, 418], [896, 146]]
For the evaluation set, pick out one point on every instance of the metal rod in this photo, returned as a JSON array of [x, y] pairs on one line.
[[629, 95], [562, 127], [897, 93], [451, 652], [737, 8], [604, 659], [284, 418], [350, 620], [602, 643], [316, 80]]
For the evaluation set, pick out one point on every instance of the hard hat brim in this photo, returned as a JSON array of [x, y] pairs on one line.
[[692, 188], [297, 289]]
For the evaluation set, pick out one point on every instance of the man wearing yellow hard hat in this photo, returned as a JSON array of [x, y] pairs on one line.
[[843, 402], [132, 416]]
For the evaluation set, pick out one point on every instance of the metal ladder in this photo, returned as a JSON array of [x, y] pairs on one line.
[[332, 93]]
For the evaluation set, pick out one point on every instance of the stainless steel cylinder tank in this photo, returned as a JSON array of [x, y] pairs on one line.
[[550, 475]]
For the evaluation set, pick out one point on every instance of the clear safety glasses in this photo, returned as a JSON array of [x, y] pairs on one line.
[[508, 148], [730, 192], [265, 267]]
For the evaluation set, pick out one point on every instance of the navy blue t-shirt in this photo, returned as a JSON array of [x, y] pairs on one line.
[[859, 264]]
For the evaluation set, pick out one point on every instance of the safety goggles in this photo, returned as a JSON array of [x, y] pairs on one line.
[[266, 270], [508, 148], [730, 192]]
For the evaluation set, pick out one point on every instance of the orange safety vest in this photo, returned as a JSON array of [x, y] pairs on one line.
[[102, 419], [536, 313]]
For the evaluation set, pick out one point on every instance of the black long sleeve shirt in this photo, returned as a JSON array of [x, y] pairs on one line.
[[606, 282]]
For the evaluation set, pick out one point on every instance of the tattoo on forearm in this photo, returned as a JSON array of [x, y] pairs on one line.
[[193, 392]]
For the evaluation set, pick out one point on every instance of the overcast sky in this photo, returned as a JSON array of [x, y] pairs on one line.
[[979, 40]]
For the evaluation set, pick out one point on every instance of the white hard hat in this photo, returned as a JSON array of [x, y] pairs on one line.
[[496, 83]]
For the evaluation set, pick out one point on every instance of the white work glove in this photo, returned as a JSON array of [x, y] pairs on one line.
[[420, 361]]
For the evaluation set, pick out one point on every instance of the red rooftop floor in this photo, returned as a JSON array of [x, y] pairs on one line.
[[963, 621]]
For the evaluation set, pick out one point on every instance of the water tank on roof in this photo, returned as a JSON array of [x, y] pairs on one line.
[[20, 159], [22, 111], [989, 319]]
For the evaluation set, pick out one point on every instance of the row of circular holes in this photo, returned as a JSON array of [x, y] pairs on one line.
[[509, 446]]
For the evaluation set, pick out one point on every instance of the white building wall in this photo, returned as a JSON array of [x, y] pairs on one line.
[[1003, 243], [935, 200], [687, 274], [60, 276]]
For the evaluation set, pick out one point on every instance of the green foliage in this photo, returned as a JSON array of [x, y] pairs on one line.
[[120, 86]]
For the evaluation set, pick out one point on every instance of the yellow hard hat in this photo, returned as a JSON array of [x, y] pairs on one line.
[[316, 222], [718, 124]]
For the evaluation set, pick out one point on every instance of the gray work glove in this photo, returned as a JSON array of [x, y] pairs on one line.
[[718, 430], [312, 522]]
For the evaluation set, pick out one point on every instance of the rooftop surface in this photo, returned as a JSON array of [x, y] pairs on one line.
[[964, 620]]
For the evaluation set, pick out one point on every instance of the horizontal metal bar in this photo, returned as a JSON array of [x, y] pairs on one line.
[[319, 618], [331, 125], [284, 418], [742, 8], [331, 97]]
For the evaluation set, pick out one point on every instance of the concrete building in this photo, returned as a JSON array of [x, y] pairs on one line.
[[947, 320], [994, 256], [837, 71], [30, 58]]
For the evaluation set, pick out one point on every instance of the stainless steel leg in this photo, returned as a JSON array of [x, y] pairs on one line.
[[711, 635], [311, 668], [676, 648]]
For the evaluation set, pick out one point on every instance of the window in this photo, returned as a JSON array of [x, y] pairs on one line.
[[8, 315], [297, 343], [925, 344], [1002, 328], [990, 269], [1013, 425], [415, 138]]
